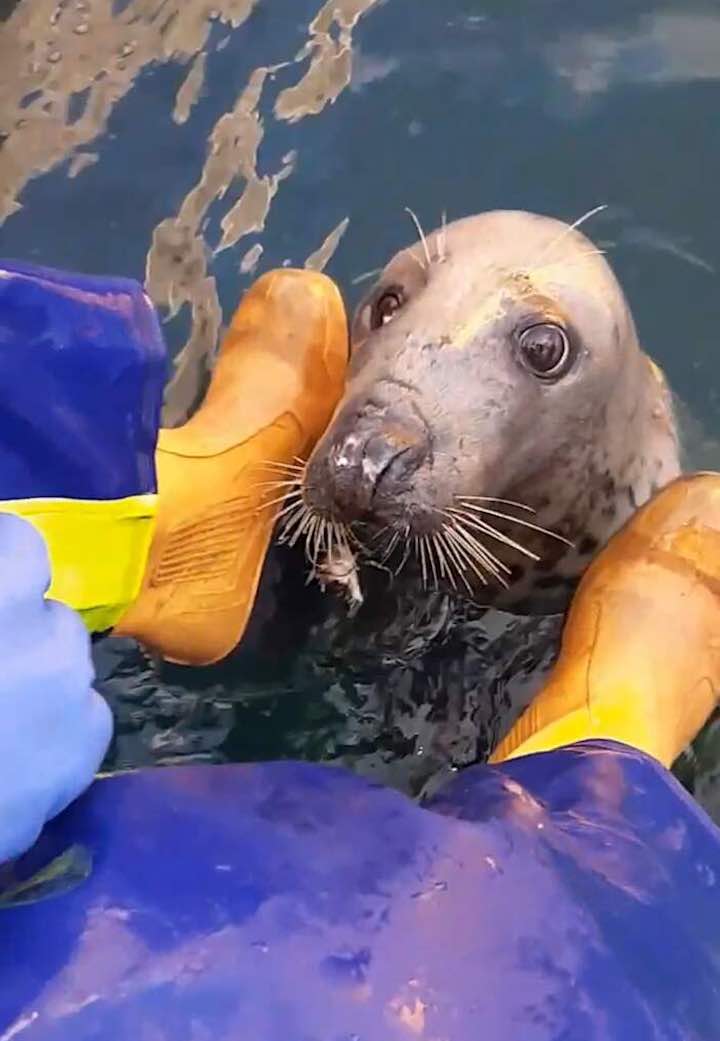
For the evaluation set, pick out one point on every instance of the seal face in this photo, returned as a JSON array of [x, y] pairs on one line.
[[500, 420]]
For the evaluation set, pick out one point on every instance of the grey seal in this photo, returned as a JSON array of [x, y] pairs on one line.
[[500, 420]]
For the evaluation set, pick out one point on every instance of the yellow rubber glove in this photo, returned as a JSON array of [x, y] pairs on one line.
[[640, 655], [279, 375]]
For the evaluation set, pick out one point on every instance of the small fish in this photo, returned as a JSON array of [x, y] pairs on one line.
[[339, 568]]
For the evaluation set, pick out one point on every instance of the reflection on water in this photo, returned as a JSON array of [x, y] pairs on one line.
[[661, 47], [65, 66], [196, 144]]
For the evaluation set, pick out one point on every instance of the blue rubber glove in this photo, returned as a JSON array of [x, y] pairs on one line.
[[54, 727]]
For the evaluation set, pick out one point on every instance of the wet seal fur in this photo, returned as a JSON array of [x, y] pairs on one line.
[[496, 359]]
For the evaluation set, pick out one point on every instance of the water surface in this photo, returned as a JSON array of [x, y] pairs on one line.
[[197, 145]]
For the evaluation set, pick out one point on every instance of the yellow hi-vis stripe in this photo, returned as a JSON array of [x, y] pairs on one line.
[[98, 550]]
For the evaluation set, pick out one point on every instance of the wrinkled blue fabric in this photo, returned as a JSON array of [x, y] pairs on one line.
[[54, 727], [570, 896], [82, 372]]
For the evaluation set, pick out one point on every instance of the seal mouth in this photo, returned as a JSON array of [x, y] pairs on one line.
[[476, 541]]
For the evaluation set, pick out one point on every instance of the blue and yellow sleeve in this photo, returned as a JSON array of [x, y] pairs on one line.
[[82, 370]]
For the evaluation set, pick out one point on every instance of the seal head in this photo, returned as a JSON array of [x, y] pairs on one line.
[[500, 420]]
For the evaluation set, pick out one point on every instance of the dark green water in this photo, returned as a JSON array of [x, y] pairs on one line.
[[456, 105]]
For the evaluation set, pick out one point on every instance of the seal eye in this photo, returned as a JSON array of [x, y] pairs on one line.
[[385, 307], [545, 349]]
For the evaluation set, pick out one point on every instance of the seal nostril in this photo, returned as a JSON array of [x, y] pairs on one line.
[[379, 455], [370, 454], [360, 469], [392, 460]]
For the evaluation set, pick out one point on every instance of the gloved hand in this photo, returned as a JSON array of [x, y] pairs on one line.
[[54, 727]]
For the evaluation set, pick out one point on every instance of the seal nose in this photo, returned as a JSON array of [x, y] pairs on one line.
[[370, 459]]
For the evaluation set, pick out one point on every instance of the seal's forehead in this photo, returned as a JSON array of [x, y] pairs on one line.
[[512, 237], [505, 241], [544, 251], [488, 252]]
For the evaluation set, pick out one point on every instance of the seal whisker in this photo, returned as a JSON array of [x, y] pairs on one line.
[[588, 216], [274, 464], [421, 233], [322, 534], [318, 541], [518, 520], [342, 537], [353, 537], [288, 528], [286, 474], [442, 568], [482, 553], [292, 468], [406, 551], [439, 542], [287, 502], [297, 515], [418, 261], [280, 496], [324, 546], [569, 229], [474, 555], [282, 481], [389, 549], [500, 502], [302, 527], [455, 559], [442, 239], [427, 541], [454, 553], [288, 533], [473, 521], [479, 552], [284, 478], [309, 539], [365, 277], [293, 482], [499, 536], [292, 505], [291, 476], [420, 542], [421, 557], [292, 493], [331, 536]]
